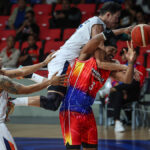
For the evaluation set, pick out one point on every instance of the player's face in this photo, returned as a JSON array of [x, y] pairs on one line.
[[113, 20], [110, 52]]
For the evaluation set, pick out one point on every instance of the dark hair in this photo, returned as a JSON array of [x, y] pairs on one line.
[[137, 50], [30, 12], [111, 42], [111, 7]]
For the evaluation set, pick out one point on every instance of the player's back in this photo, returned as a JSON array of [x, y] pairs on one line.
[[3, 105], [82, 35], [71, 49]]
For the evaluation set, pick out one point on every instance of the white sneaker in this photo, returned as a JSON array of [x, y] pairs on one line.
[[119, 127]]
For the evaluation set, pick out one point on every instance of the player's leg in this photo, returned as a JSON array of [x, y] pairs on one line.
[[54, 96], [70, 125], [51, 101], [55, 93], [89, 132], [6, 140]]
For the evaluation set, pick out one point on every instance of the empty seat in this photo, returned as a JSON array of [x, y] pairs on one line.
[[50, 34], [5, 33], [2, 45], [42, 9], [3, 21], [87, 10], [43, 21], [51, 46], [68, 33]]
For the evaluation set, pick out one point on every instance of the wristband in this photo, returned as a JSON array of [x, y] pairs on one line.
[[108, 34], [37, 78]]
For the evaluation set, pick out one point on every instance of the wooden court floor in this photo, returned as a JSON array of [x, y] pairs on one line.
[[54, 131]]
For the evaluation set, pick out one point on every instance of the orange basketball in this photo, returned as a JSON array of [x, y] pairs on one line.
[[141, 35]]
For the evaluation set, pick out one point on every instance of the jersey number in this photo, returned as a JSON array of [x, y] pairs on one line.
[[92, 85]]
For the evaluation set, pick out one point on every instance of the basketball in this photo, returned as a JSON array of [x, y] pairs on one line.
[[141, 35]]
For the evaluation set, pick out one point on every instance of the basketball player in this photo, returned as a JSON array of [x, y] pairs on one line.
[[86, 78], [108, 17], [53, 100], [7, 85]]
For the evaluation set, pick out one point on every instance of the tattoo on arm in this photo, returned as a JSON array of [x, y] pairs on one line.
[[8, 85]]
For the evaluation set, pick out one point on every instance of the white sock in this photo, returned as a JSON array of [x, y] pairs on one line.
[[37, 78], [20, 101]]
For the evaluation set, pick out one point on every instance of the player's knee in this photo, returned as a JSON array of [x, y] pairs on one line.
[[51, 102]]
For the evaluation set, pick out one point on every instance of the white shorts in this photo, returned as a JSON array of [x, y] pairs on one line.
[[6, 140], [57, 64]]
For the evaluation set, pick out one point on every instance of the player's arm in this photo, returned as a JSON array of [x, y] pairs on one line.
[[92, 45], [127, 76], [15, 88], [101, 63], [28, 69]]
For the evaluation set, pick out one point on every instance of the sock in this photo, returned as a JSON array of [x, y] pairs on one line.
[[20, 101]]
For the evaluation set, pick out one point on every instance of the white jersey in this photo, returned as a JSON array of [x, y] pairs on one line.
[[3, 105], [71, 49]]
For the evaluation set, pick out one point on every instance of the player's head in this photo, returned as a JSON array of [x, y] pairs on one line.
[[110, 13], [110, 49]]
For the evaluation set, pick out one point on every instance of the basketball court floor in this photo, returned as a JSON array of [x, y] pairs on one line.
[[49, 137]]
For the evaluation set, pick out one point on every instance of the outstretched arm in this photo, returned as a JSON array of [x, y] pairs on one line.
[[101, 63], [127, 76], [28, 69], [110, 66], [15, 88], [98, 41]]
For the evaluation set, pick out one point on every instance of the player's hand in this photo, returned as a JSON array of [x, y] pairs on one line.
[[128, 30], [49, 58], [58, 80], [131, 54]]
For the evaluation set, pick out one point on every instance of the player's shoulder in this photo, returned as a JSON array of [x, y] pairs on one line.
[[94, 18]]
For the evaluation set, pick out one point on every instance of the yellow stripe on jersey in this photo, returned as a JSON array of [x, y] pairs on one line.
[[78, 68]]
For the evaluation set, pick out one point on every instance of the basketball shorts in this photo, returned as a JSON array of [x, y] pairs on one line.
[[57, 64], [6, 140], [78, 129]]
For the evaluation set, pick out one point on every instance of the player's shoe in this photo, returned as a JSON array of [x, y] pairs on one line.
[[119, 127]]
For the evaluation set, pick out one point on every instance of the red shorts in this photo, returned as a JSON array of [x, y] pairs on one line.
[[78, 128]]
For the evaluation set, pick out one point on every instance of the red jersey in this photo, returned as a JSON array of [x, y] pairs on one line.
[[84, 82]]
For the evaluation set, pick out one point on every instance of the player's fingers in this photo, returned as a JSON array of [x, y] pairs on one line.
[[131, 44], [125, 52], [55, 74], [128, 44], [53, 57], [52, 53]]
